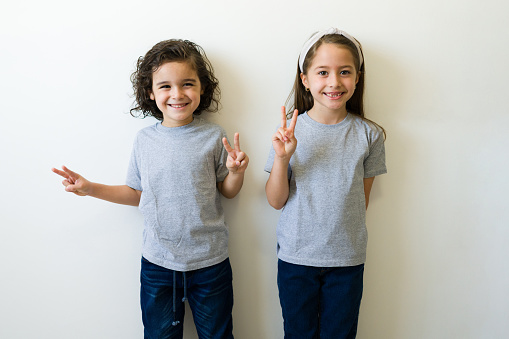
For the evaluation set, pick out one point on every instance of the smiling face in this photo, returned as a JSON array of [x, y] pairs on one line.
[[176, 89], [331, 79]]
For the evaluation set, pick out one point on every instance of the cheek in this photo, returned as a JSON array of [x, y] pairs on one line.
[[198, 95], [161, 106]]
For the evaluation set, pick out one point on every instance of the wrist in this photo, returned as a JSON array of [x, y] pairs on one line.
[[91, 189], [236, 173], [283, 159]]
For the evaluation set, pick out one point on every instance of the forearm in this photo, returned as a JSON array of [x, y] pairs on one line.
[[231, 185], [368, 184], [121, 194], [277, 188]]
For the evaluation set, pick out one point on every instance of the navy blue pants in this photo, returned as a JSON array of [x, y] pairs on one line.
[[208, 290], [320, 302]]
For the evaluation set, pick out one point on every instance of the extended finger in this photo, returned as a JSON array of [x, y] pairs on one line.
[[294, 120], [227, 146], [283, 116], [61, 173], [236, 142], [70, 173]]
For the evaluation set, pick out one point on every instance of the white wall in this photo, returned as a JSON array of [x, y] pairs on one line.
[[437, 81]]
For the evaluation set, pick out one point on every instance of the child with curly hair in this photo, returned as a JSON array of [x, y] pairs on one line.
[[178, 169]]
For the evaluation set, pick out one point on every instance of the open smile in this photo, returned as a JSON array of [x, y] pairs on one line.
[[177, 105], [334, 95]]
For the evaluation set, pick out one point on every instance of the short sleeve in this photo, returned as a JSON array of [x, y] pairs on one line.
[[133, 179], [374, 163], [270, 160], [222, 156]]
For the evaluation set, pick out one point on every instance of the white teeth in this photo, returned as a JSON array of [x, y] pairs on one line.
[[333, 95], [177, 106]]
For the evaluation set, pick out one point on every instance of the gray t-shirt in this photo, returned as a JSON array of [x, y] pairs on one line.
[[177, 170], [323, 222]]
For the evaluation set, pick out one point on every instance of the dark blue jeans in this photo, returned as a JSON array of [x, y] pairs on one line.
[[320, 302], [208, 290]]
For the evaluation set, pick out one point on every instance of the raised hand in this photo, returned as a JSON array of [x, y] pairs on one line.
[[284, 141], [237, 160], [73, 182]]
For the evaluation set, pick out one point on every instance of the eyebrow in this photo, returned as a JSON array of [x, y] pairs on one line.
[[340, 67], [183, 80]]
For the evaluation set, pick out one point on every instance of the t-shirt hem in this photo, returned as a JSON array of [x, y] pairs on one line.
[[374, 173], [323, 263], [182, 267], [133, 186]]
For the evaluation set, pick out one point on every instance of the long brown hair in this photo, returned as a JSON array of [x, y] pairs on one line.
[[303, 100]]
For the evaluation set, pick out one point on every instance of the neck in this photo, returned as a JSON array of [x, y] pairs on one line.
[[327, 117], [173, 123]]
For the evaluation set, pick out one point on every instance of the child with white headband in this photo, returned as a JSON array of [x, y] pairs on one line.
[[323, 181]]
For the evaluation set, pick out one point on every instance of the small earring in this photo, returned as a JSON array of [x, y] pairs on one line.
[[307, 89]]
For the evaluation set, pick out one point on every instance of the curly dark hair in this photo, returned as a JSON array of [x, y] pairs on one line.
[[169, 51]]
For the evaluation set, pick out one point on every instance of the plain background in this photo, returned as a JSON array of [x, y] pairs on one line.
[[437, 75]]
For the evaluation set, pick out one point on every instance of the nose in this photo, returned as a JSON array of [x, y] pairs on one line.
[[176, 92], [333, 80]]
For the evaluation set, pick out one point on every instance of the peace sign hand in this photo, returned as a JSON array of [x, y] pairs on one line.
[[237, 160], [284, 141], [73, 182]]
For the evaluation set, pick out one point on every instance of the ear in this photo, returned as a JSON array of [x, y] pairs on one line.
[[358, 77], [304, 80], [152, 97]]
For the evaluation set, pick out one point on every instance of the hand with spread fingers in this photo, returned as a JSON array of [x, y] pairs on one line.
[[284, 141], [237, 160]]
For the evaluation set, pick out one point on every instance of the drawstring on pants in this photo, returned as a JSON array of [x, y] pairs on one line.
[[185, 287], [176, 322]]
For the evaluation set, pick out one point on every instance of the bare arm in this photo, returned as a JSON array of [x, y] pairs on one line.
[[75, 183], [284, 142], [368, 183], [231, 185], [277, 187], [121, 194], [236, 163]]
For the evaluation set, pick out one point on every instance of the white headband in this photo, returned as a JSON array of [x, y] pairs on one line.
[[315, 37]]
